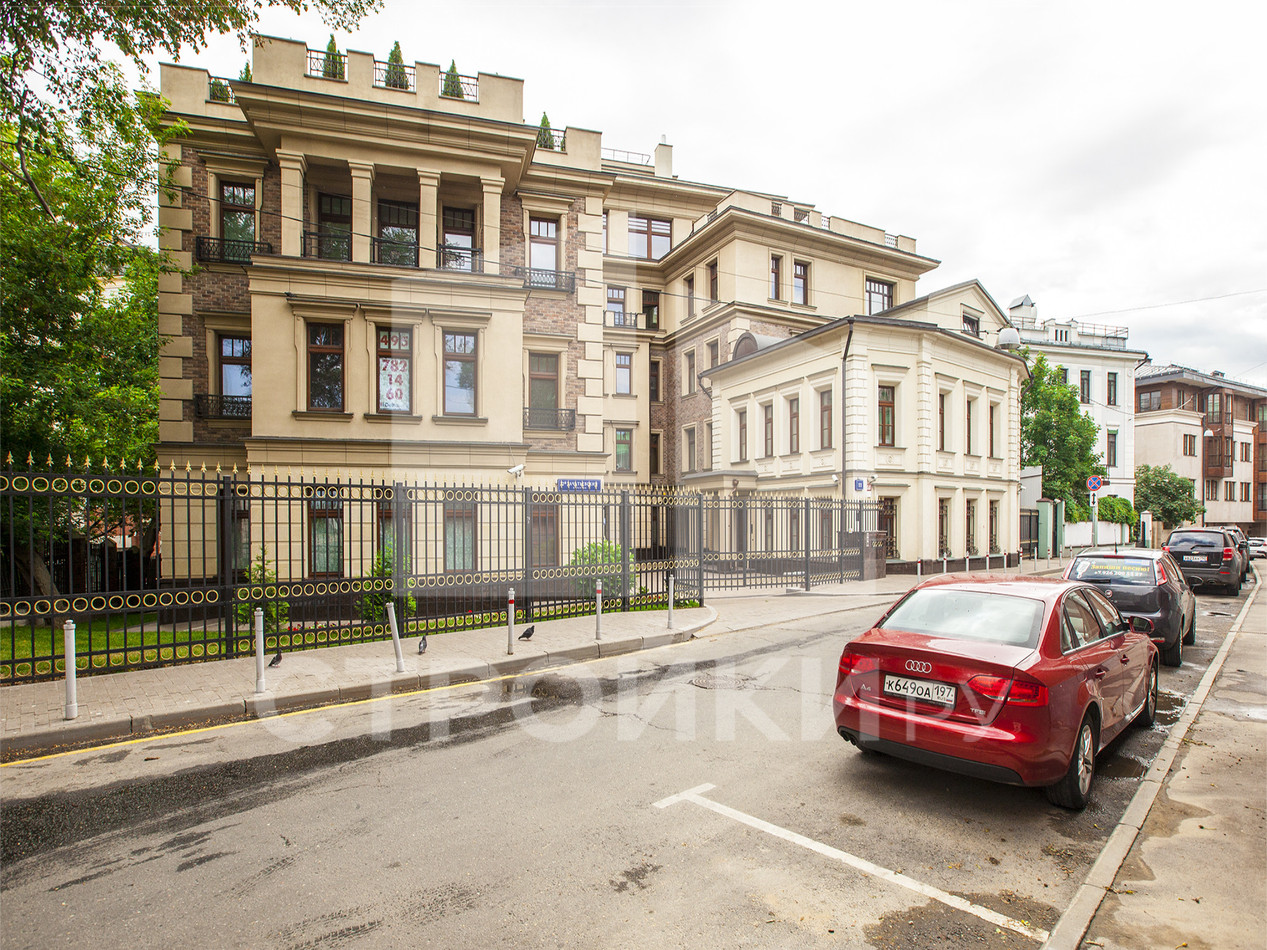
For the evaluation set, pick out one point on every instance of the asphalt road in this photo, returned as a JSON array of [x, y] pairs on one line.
[[523, 813]]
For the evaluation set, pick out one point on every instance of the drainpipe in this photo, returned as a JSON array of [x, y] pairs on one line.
[[844, 467]]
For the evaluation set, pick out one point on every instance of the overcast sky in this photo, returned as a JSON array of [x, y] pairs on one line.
[[1106, 158]]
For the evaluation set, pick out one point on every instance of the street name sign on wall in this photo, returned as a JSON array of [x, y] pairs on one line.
[[580, 484], [857, 484]]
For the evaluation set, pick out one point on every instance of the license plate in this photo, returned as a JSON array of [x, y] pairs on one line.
[[1194, 558], [941, 693]]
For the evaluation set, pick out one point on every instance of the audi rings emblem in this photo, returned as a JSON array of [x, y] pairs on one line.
[[918, 666]]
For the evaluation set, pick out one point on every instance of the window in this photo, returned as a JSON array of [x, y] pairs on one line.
[[886, 523], [1190, 445], [1084, 386], [237, 220], [1261, 503], [689, 382], [325, 533], [941, 422], [604, 232], [1244, 491], [800, 282], [1247, 452], [653, 446], [395, 369], [398, 235], [688, 455], [767, 428], [325, 367], [624, 450], [387, 528], [708, 446], [1150, 400], [742, 426], [235, 366], [649, 238], [971, 324], [768, 532], [1110, 449], [1211, 489], [624, 373], [1062, 374], [460, 536], [824, 419], [943, 527], [1062, 336], [885, 401], [994, 527], [653, 380], [714, 291], [1110, 393], [776, 276], [543, 390], [826, 528], [794, 529], [1229, 491], [459, 374], [970, 526], [334, 227], [616, 305], [879, 296], [651, 308], [714, 353], [543, 536], [994, 412], [690, 296], [794, 425], [543, 244], [967, 425]]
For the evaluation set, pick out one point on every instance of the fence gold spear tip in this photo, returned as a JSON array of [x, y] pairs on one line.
[[49, 463], [30, 460]]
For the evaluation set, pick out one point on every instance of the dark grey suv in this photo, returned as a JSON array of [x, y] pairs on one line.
[[1207, 556]]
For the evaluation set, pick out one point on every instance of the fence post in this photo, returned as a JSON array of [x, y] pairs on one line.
[[391, 622], [626, 522], [227, 551], [805, 529], [699, 506], [526, 501], [259, 650], [68, 642], [510, 622], [670, 600], [399, 529], [598, 610]]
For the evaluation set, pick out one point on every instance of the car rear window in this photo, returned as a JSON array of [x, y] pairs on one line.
[[1115, 570], [968, 615], [1202, 539]]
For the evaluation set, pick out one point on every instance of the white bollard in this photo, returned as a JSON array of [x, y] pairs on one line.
[[510, 622], [670, 600], [919, 568], [967, 563], [68, 641], [391, 622], [598, 613], [944, 565], [259, 651]]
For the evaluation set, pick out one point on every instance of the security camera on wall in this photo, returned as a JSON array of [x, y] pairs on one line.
[[835, 479], [516, 470]]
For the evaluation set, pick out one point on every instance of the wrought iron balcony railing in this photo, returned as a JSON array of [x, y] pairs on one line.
[[632, 320], [553, 139], [467, 259], [537, 279], [395, 253], [220, 250], [327, 245], [456, 86], [562, 420], [325, 65], [219, 90], [215, 406], [393, 76]]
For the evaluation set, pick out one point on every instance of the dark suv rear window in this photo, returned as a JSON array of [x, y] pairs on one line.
[[1202, 539], [1115, 570]]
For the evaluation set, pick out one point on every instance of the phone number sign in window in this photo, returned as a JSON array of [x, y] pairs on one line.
[[395, 370]]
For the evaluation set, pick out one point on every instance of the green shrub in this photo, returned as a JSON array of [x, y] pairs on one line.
[[396, 78], [607, 556], [1117, 510], [219, 90], [245, 74], [276, 612], [452, 82], [374, 602], [333, 68]]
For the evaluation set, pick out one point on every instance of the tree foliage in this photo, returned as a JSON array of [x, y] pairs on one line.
[[395, 77], [276, 612], [333, 65], [1116, 510], [1171, 498], [604, 559], [245, 74], [453, 82], [545, 137], [374, 602], [1057, 434]]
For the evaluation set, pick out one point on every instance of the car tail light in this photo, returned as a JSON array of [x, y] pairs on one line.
[[1161, 573], [852, 664], [1166, 548], [1016, 692], [1228, 554]]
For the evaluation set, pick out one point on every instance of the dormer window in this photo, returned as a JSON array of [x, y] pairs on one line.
[[971, 324]]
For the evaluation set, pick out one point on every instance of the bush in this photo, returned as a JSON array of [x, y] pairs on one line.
[[452, 82], [374, 602], [395, 77], [1117, 510], [333, 68], [605, 555], [276, 612], [219, 90], [245, 74]]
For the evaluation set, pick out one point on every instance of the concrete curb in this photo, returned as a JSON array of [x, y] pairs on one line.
[[1076, 920]]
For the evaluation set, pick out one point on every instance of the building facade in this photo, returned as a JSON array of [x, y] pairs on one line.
[[1097, 363], [1211, 430]]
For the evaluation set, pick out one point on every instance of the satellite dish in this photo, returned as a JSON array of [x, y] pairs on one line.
[[1009, 338]]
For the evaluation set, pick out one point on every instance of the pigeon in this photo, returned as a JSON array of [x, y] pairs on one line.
[[422, 645], [276, 661], [527, 634]]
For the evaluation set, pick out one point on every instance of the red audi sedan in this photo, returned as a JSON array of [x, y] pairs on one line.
[[1020, 681]]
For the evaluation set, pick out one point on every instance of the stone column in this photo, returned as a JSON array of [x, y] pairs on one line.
[[362, 218], [492, 224], [428, 232], [293, 165]]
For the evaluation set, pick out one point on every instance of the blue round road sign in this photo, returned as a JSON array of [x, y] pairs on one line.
[[1094, 483]]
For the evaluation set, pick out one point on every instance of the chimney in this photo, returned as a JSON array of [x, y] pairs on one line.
[[663, 159], [1023, 312]]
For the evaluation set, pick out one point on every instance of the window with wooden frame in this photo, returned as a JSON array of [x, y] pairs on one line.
[[824, 419], [460, 384], [616, 306], [714, 353], [887, 413], [794, 425], [689, 371], [653, 453], [543, 390], [543, 535], [1110, 449], [397, 233], [325, 367], [690, 296], [994, 417], [994, 527], [1084, 386], [741, 425], [624, 373], [624, 450], [970, 526], [776, 276], [967, 425], [971, 324], [325, 533], [714, 282], [879, 295], [334, 227], [653, 380], [461, 536], [688, 452], [235, 366], [458, 227], [543, 244], [941, 422], [649, 238], [395, 369], [800, 282], [651, 309], [1190, 445], [767, 428], [1110, 396], [237, 220]]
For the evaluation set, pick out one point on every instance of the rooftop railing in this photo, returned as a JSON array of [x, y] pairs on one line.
[[323, 65], [219, 90], [630, 158], [553, 139], [456, 86], [394, 76]]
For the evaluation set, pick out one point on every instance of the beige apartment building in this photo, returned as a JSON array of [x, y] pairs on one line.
[[393, 271]]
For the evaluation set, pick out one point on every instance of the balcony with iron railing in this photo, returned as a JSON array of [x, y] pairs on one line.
[[394, 253], [455, 86], [559, 420], [631, 320], [535, 278], [219, 90], [210, 250], [325, 65], [553, 139], [216, 406], [328, 245], [394, 76], [452, 257]]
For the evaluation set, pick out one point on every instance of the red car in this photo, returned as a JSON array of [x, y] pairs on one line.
[[1021, 681]]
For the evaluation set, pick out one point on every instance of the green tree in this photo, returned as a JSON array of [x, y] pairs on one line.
[[276, 612], [396, 78], [453, 82], [374, 602], [601, 559], [333, 67], [245, 74], [1057, 434], [545, 138], [1171, 498], [1117, 510]]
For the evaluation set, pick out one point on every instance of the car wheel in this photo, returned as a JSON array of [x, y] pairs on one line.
[[1074, 790], [1234, 588], [1148, 715], [1190, 637], [1172, 654]]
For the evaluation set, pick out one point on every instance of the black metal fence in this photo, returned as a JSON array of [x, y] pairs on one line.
[[164, 567]]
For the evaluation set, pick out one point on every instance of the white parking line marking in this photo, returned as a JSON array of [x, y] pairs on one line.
[[695, 796]]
